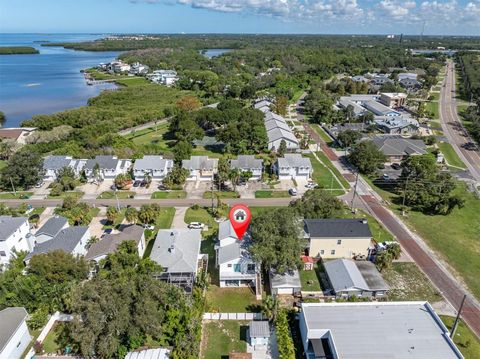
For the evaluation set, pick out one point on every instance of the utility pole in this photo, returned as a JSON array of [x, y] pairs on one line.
[[354, 192], [455, 324], [118, 203], [13, 187], [404, 195]]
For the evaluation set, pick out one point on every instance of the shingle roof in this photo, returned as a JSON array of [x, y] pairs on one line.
[[259, 329], [105, 162], [158, 353], [337, 228], [280, 134], [56, 162], [246, 161], [273, 116], [398, 146], [152, 163], [9, 224], [262, 103], [225, 230], [10, 318], [177, 250], [66, 240], [271, 124], [229, 252], [52, 226], [289, 279], [200, 163], [109, 243], [294, 160]]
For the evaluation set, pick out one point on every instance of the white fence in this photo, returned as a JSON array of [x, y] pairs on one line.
[[232, 316]]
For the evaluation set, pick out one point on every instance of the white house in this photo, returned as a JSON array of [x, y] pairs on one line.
[[164, 77], [14, 334], [71, 240], [248, 163], [156, 167], [14, 236], [201, 168], [259, 333], [157, 353], [285, 283], [50, 229], [234, 262], [108, 167], [53, 164], [293, 166]]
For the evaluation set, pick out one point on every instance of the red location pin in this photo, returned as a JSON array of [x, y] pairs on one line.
[[240, 219]]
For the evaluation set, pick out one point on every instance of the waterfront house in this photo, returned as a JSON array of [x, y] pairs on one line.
[[106, 167], [14, 334], [201, 168], [248, 163], [293, 166], [15, 236], [156, 167]]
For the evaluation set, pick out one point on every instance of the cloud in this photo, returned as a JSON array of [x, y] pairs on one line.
[[398, 10]]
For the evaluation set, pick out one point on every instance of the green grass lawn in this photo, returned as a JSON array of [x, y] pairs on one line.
[[465, 339], [118, 220], [165, 218], [450, 155], [310, 280], [432, 107], [223, 337], [324, 178], [152, 136], [323, 157], [232, 300], [3, 164], [321, 132], [169, 194], [18, 195], [407, 282], [271, 194], [120, 195], [434, 95], [220, 194], [53, 342], [76, 194], [203, 216], [256, 210]]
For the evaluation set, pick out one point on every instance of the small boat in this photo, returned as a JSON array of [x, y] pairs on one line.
[[33, 84]]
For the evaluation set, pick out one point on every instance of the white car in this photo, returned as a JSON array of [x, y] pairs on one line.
[[196, 225], [311, 185], [293, 191], [149, 226]]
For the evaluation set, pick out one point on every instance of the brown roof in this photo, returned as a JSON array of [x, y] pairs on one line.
[[13, 133], [110, 242], [240, 356]]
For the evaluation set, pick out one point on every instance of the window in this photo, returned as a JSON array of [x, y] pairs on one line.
[[332, 252], [251, 267], [229, 265], [236, 268], [3, 254], [19, 344], [322, 251], [339, 242]]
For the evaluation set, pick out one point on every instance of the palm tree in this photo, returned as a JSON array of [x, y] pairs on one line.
[[394, 250], [131, 215], [383, 260], [234, 176], [269, 307], [147, 179]]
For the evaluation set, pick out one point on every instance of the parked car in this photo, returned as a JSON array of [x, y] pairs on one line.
[[113, 187], [396, 166], [196, 225], [149, 226], [311, 185], [385, 177], [293, 191], [39, 184], [137, 183]]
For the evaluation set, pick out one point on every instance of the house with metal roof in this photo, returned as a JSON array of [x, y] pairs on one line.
[[14, 236], [157, 353], [14, 334], [259, 333], [262, 105], [410, 84], [277, 135], [285, 283], [292, 166], [337, 238], [380, 109], [106, 167], [177, 251], [110, 242], [248, 163], [71, 240], [235, 264], [399, 125], [354, 278], [50, 229], [156, 167], [397, 148], [352, 330], [201, 168]]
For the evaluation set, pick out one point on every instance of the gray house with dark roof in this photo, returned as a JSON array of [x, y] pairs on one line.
[[201, 168], [360, 278], [50, 229], [397, 148], [248, 163], [337, 238], [14, 334], [177, 251]]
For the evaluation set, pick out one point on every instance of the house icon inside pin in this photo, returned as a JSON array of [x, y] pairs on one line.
[[240, 216]]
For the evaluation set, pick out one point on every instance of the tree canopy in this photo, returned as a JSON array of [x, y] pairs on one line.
[[366, 157]]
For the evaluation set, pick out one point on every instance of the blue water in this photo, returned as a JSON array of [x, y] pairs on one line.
[[215, 52], [47, 82]]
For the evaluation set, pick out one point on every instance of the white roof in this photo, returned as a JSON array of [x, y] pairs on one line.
[[152, 163], [159, 353], [294, 160]]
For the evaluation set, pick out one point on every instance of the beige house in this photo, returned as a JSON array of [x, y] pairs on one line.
[[337, 238]]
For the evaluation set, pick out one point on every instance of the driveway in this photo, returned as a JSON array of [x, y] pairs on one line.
[[96, 226], [42, 192], [249, 189], [144, 192], [179, 218], [92, 190], [196, 189]]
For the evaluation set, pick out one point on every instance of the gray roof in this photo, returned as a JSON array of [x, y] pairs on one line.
[[398, 146], [281, 134], [9, 224], [289, 279], [52, 226], [393, 330], [246, 162], [229, 252], [11, 319], [226, 230], [378, 108], [393, 122], [56, 162], [109, 243], [200, 163], [66, 240], [105, 162], [158, 353], [259, 329], [177, 250], [371, 275], [357, 109], [152, 163], [337, 228], [273, 116], [294, 160], [262, 103], [234, 250], [344, 275], [271, 124]]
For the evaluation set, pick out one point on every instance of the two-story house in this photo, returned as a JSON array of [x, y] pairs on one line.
[[248, 163], [14, 334], [106, 167], [50, 229], [201, 168], [15, 236], [156, 167], [293, 166], [234, 262]]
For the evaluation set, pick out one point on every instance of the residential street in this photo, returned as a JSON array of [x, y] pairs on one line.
[[453, 128]]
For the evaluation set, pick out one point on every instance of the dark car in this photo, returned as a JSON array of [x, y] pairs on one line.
[[396, 166], [137, 183], [113, 187]]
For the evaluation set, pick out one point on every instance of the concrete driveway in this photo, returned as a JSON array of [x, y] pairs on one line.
[[92, 190], [42, 192], [196, 189], [144, 192], [179, 218], [249, 189]]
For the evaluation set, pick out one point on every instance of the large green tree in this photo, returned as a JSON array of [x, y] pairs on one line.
[[24, 169], [317, 204], [366, 157]]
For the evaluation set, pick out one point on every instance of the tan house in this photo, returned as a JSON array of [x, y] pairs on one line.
[[337, 238], [393, 100]]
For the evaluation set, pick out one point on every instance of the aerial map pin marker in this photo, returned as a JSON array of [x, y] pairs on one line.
[[240, 219]]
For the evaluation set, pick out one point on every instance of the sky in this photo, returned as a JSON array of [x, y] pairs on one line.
[[440, 17]]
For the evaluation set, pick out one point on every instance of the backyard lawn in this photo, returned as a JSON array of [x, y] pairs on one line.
[[203, 216], [53, 341], [271, 194], [152, 136], [232, 300], [450, 155], [464, 338], [310, 280], [223, 337], [120, 195], [169, 194], [18, 195]]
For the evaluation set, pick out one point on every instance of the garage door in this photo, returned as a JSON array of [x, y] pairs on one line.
[[285, 291]]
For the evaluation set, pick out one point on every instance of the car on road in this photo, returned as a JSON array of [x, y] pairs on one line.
[[196, 225], [293, 191]]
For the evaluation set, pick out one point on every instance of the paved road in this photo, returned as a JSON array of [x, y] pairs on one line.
[[150, 124], [452, 127]]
